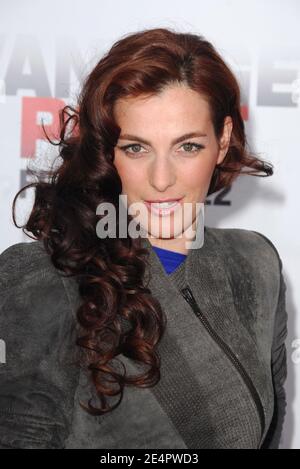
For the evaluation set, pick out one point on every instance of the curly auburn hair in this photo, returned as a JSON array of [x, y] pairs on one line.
[[111, 272]]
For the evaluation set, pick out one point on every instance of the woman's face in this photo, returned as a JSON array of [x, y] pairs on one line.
[[161, 162]]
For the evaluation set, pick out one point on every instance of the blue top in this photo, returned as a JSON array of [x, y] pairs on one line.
[[169, 259]]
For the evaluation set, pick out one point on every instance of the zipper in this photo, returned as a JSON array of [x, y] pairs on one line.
[[189, 297]]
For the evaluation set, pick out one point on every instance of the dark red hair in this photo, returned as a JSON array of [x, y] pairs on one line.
[[111, 272]]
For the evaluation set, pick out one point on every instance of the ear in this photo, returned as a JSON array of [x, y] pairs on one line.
[[225, 139]]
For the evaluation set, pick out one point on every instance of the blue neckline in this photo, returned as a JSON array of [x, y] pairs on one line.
[[168, 251], [169, 259]]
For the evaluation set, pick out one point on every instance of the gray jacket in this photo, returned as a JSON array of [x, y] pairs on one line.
[[223, 355]]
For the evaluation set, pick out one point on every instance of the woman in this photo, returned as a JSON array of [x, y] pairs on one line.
[[141, 341]]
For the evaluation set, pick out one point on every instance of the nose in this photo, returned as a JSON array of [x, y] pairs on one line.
[[162, 174]]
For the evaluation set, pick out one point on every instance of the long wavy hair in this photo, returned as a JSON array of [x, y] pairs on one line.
[[110, 272]]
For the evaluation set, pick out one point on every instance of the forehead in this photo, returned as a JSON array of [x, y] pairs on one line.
[[176, 105]]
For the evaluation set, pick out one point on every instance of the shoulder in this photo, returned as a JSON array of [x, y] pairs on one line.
[[22, 260], [33, 300], [250, 257], [252, 245]]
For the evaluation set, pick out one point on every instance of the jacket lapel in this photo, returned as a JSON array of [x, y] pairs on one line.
[[206, 272]]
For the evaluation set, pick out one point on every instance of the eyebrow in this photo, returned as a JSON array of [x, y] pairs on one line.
[[176, 140]]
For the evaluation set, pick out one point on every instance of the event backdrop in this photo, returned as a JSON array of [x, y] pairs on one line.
[[47, 48]]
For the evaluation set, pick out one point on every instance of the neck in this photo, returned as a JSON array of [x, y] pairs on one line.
[[172, 244]]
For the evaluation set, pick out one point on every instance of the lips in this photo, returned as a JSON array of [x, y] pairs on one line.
[[163, 208], [158, 201]]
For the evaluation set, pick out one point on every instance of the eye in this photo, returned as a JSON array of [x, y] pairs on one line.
[[125, 148], [197, 147]]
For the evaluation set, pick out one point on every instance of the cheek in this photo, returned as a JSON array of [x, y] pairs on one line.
[[195, 176], [131, 176]]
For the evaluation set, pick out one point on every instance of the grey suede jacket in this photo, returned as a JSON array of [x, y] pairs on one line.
[[223, 355]]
